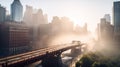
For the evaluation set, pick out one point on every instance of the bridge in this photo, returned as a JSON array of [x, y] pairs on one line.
[[50, 56]]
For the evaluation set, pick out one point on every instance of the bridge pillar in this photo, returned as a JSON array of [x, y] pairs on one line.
[[52, 60]]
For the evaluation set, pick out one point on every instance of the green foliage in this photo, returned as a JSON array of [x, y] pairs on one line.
[[78, 64], [86, 61], [97, 60], [98, 64]]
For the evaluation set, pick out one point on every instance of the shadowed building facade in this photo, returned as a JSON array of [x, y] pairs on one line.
[[14, 38], [105, 30], [2, 14], [116, 18]]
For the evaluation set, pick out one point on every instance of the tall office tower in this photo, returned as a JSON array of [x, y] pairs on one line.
[[16, 11], [41, 18], [14, 38], [116, 17], [107, 17], [2, 14], [105, 30], [28, 15]]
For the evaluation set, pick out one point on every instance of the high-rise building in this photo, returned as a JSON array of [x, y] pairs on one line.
[[107, 17], [28, 15], [2, 14], [16, 11], [34, 16], [7, 18], [105, 30], [116, 17], [40, 18], [14, 38]]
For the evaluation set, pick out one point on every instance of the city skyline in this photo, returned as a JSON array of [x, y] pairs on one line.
[[36, 32], [77, 11]]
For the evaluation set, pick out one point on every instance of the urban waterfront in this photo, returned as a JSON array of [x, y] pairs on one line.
[[70, 33]]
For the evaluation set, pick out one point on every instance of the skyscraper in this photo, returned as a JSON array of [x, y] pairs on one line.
[[16, 11], [116, 17], [28, 15], [2, 14], [107, 17], [105, 30], [14, 38]]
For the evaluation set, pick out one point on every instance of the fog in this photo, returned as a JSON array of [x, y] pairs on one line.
[[61, 30]]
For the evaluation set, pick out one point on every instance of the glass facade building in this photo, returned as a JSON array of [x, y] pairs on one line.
[[16, 11], [2, 14], [116, 16]]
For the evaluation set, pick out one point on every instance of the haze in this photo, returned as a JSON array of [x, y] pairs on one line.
[[79, 11]]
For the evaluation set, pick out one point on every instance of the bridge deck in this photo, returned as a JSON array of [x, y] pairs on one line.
[[37, 53]]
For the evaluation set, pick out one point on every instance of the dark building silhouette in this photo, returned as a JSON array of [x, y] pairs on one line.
[[14, 38], [116, 18], [16, 11], [2, 14]]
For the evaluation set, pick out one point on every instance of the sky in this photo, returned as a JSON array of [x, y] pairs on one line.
[[79, 11]]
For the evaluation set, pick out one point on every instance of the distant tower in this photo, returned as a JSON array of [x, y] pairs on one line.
[[16, 11], [85, 27], [107, 17], [2, 14], [28, 15], [116, 17]]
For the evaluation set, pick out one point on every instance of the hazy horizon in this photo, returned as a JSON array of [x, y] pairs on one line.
[[79, 11]]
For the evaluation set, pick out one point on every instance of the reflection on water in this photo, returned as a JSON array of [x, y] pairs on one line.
[[66, 58], [67, 52]]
